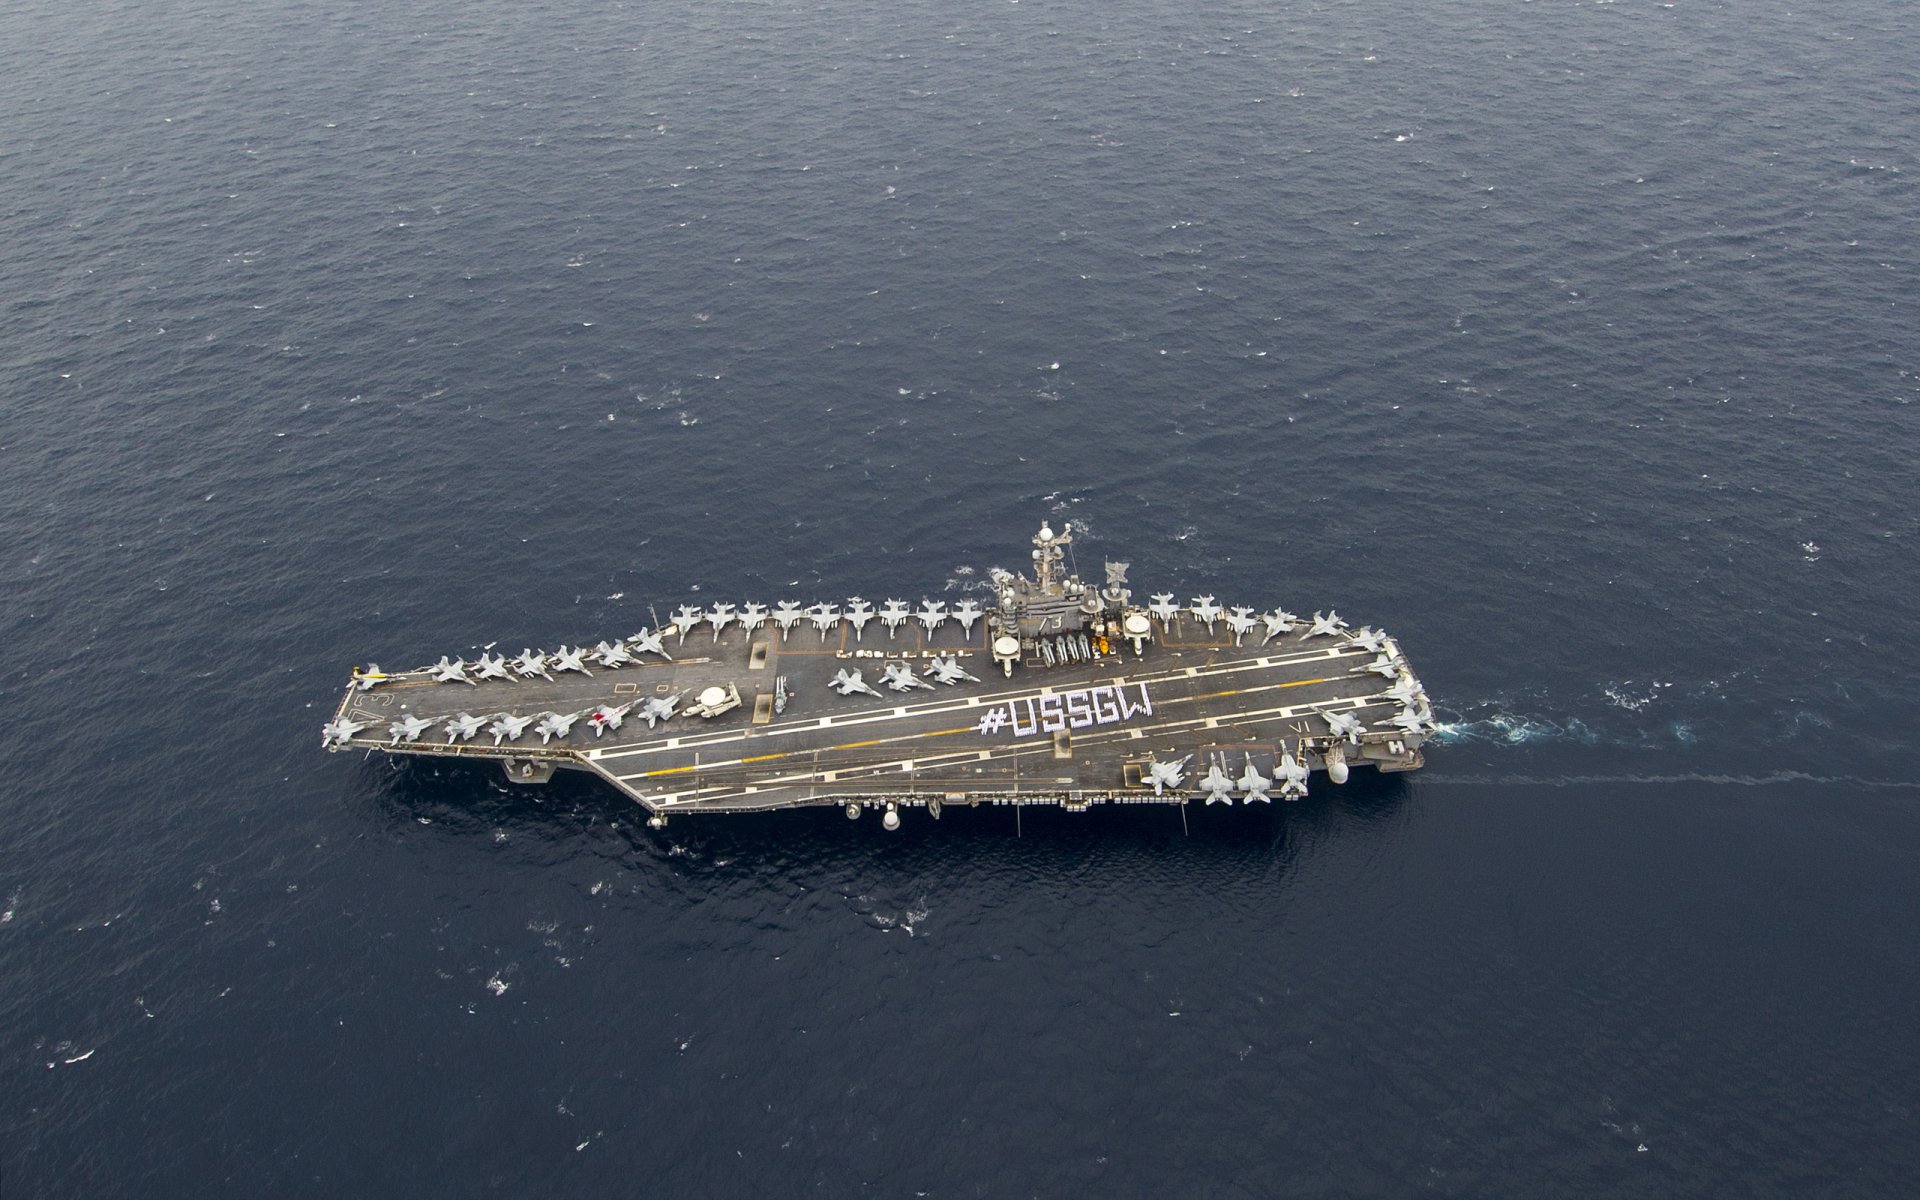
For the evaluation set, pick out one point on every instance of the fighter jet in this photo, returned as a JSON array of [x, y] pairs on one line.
[[900, 677], [1254, 785], [509, 727], [848, 682], [464, 726], [407, 729], [339, 731], [1164, 775], [1344, 725], [824, 617], [1278, 621], [570, 660], [859, 612], [720, 616], [931, 614], [531, 663], [611, 654], [1164, 607], [490, 666], [753, 616], [786, 615], [372, 675], [555, 725], [1382, 666], [658, 708], [649, 642], [1204, 608], [967, 612], [1372, 640], [450, 672], [1328, 624], [1218, 785], [1240, 620], [1293, 778], [1407, 691], [608, 716], [1414, 721], [893, 614], [685, 618], [947, 669]]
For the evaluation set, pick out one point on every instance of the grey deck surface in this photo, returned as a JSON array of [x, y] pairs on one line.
[[1191, 693]]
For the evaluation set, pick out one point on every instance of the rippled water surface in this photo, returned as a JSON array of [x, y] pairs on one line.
[[1572, 342]]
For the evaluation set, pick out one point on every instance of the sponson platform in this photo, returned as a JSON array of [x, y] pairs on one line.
[[1058, 692]]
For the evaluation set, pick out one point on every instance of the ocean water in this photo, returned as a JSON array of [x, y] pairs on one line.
[[1574, 343]]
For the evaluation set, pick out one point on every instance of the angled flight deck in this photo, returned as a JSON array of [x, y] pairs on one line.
[[1058, 693]]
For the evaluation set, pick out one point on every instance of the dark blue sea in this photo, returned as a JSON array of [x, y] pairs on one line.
[[1577, 344]]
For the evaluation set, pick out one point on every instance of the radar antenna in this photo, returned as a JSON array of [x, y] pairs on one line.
[[1048, 548]]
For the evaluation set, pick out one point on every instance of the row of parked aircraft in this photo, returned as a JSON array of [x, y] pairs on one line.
[[1219, 786], [506, 726]]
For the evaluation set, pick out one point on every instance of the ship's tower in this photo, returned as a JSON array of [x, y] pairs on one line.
[[1048, 549]]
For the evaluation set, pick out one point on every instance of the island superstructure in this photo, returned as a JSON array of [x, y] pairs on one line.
[[1058, 692]]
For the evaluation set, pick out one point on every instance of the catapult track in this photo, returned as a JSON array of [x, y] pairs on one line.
[[1153, 705]]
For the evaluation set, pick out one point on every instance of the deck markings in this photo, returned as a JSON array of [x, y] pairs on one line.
[[933, 708]]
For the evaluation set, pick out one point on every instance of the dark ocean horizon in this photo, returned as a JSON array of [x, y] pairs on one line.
[[1573, 343]]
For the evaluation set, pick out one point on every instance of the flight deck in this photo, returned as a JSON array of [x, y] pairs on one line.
[[1059, 693]]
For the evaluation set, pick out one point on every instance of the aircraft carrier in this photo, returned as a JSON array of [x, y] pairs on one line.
[[1059, 692]]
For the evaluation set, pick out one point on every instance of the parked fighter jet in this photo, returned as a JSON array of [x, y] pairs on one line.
[[450, 672], [340, 731], [893, 614], [786, 615], [1413, 720], [1328, 624], [1240, 620], [824, 617], [1344, 725], [685, 618], [570, 660], [611, 654], [753, 616], [1278, 621], [1204, 608], [1218, 785], [1368, 638], [1164, 607], [555, 725], [658, 708], [720, 616], [967, 612], [947, 669], [491, 666], [931, 614], [531, 663], [407, 729], [1407, 691], [509, 727], [1293, 778], [900, 677], [1164, 775], [464, 726], [649, 642], [608, 716], [859, 612], [372, 675], [1382, 666], [848, 682], [1254, 785]]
